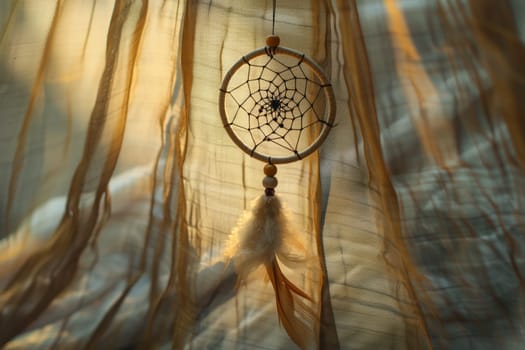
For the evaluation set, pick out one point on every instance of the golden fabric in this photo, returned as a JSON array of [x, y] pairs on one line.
[[119, 186]]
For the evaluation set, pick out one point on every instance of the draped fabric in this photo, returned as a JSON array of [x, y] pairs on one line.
[[119, 186]]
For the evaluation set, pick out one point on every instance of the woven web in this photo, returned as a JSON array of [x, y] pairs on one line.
[[276, 105]]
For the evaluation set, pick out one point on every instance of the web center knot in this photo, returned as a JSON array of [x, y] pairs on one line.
[[275, 104]]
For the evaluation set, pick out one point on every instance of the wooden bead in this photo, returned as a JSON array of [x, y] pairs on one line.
[[273, 41], [270, 170], [269, 182]]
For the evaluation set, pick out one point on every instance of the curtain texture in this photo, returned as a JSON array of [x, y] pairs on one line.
[[119, 186]]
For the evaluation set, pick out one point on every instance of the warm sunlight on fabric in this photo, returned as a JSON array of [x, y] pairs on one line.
[[122, 193]]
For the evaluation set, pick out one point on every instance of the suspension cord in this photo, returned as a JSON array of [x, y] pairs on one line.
[[273, 17]]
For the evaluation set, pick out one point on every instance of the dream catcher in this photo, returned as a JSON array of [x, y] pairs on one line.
[[277, 105]]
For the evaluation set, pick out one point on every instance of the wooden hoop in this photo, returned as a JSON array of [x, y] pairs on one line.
[[326, 86]]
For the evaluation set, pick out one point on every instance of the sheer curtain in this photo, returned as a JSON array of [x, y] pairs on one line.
[[119, 186]]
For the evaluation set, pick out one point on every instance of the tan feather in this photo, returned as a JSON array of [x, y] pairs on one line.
[[291, 317], [264, 236]]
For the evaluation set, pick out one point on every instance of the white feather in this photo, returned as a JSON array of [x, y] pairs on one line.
[[263, 233]]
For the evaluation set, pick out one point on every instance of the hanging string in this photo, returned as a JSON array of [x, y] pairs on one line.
[[273, 17]]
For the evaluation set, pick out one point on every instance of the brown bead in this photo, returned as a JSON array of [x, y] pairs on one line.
[[273, 41], [270, 170]]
